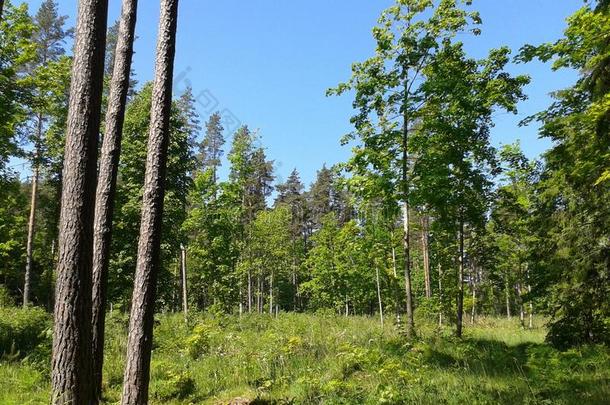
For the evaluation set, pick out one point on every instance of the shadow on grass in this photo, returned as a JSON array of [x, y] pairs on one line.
[[549, 375]]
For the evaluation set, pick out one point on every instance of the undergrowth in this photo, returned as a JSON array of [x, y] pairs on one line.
[[311, 359]]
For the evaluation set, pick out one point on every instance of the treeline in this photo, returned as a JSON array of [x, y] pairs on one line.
[[426, 218]]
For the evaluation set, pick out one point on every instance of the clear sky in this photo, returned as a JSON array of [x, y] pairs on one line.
[[267, 63]]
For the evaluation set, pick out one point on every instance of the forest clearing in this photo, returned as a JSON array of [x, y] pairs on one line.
[[324, 358], [350, 202]]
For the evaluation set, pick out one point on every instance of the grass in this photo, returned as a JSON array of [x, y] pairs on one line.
[[308, 359]]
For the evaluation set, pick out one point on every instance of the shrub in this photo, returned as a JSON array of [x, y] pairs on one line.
[[171, 384], [22, 331], [198, 343]]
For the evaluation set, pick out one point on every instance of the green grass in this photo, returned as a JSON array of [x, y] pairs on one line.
[[301, 359]]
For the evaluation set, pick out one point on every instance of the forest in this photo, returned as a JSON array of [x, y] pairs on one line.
[[150, 253]]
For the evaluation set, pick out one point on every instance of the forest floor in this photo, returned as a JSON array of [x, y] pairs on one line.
[[311, 359]]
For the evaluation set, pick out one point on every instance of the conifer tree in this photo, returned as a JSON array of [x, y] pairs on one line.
[[137, 369], [72, 371], [107, 178]]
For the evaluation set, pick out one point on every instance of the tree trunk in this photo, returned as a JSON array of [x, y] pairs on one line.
[[425, 221], [379, 296], [185, 306], [473, 312], [271, 294], [72, 371], [249, 291], [1, 9], [507, 294], [531, 305], [460, 297], [137, 369], [259, 304], [31, 227], [440, 295], [406, 224], [521, 306], [295, 288], [106, 186], [241, 299]]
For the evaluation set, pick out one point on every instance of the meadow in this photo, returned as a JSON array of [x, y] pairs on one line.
[[312, 359]]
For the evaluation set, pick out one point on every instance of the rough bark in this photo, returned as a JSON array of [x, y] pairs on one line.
[[106, 187], [425, 222], [460, 297], [72, 371], [137, 369]]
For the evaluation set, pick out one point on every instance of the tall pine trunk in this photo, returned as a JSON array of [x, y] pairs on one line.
[[137, 369], [460, 282], [106, 186], [72, 369]]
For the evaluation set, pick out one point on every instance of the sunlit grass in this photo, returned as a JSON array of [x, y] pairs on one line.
[[308, 359]]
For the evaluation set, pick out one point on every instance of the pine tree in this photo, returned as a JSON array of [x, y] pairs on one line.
[[137, 369], [210, 149], [49, 37], [106, 186], [71, 364], [290, 195]]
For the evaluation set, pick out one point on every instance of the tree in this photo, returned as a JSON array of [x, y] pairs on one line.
[[210, 149], [388, 97], [268, 247], [71, 363], [511, 217], [106, 185], [571, 222], [455, 159], [290, 195], [49, 37], [17, 50], [137, 369]]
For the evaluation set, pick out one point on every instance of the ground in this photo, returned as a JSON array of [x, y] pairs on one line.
[[311, 359]]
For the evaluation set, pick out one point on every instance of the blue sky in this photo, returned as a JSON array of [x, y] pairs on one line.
[[267, 63]]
